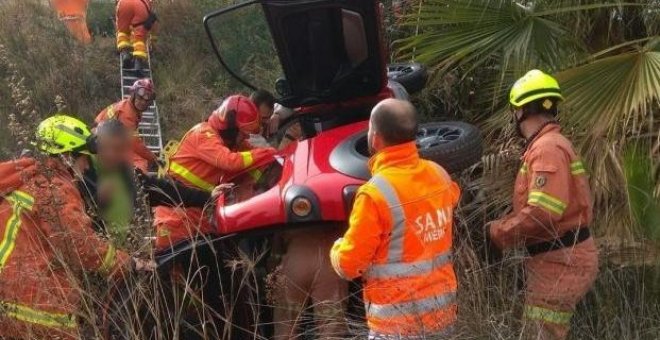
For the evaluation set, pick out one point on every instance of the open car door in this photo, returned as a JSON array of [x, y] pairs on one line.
[[328, 51]]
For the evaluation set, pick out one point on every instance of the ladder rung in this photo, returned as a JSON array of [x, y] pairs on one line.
[[133, 70], [149, 125]]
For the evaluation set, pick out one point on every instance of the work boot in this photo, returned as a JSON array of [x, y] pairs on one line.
[[126, 59], [140, 66]]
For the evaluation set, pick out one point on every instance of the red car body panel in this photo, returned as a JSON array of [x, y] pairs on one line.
[[306, 163]]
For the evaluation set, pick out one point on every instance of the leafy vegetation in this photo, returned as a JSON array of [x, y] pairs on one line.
[[606, 55]]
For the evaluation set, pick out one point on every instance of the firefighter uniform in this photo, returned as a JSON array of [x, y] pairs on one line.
[[73, 13], [400, 241], [551, 203], [202, 161], [46, 242], [125, 112], [131, 31]]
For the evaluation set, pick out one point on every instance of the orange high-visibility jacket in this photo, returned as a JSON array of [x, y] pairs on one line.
[[400, 241], [46, 243], [201, 161], [551, 194], [125, 112]]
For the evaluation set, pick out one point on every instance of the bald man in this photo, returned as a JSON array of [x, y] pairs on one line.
[[399, 238]]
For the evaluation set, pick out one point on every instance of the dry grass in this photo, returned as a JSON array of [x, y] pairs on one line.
[[40, 62]]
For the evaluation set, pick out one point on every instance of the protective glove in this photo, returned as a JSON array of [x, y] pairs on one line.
[[221, 189]]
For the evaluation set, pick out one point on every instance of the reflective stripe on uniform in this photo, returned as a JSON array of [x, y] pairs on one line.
[[256, 174], [138, 44], [48, 319], [577, 168], [547, 315], [123, 40], [247, 158], [422, 306], [71, 17], [110, 112], [546, 201], [402, 270], [446, 332], [19, 200], [109, 259], [140, 54], [524, 168], [395, 251], [191, 177]]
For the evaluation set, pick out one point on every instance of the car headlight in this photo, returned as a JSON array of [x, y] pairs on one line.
[[301, 206]]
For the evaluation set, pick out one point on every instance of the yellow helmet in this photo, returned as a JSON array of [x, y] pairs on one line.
[[532, 86], [60, 133]]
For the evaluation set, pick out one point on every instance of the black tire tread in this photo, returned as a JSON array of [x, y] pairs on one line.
[[460, 154]]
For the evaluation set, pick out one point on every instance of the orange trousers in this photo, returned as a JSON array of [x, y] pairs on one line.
[[77, 26], [556, 281], [135, 39], [73, 13]]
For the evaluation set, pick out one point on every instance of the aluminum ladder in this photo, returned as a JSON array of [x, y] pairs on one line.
[[149, 128]]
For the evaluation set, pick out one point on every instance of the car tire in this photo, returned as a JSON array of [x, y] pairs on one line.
[[456, 146], [412, 76]]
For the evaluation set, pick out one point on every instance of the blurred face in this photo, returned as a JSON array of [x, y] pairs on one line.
[[113, 151], [265, 111]]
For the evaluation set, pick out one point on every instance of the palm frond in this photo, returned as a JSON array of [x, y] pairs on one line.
[[644, 205], [613, 95]]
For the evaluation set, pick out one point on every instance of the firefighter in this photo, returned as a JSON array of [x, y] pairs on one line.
[[399, 238], [129, 112], [204, 158], [110, 186], [47, 241], [73, 13], [552, 211], [134, 21]]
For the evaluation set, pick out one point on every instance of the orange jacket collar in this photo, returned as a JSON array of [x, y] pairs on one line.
[[401, 154], [553, 127]]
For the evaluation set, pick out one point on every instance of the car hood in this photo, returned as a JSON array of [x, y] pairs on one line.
[[330, 50]]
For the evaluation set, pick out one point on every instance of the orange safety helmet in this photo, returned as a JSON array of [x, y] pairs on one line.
[[237, 112]]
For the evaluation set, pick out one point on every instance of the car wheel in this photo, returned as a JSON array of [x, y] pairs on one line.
[[454, 145], [412, 76]]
